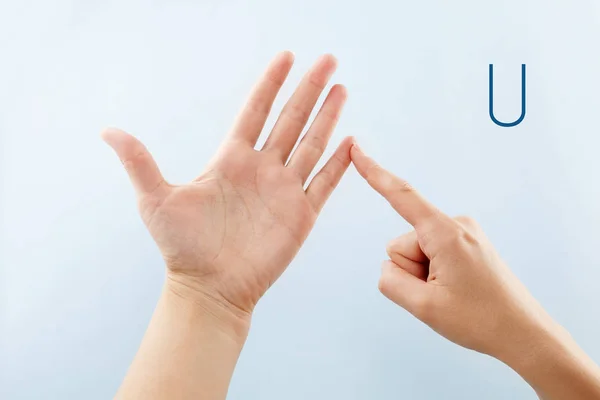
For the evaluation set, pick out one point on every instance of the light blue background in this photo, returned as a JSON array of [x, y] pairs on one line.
[[80, 275]]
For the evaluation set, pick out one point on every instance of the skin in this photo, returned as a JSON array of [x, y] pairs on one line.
[[447, 274], [228, 235]]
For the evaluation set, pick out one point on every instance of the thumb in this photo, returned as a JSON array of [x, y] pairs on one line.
[[138, 162], [404, 289]]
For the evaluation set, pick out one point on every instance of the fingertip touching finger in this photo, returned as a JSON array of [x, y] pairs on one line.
[[399, 193]]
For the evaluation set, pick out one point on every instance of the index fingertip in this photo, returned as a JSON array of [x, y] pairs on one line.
[[114, 137], [360, 160]]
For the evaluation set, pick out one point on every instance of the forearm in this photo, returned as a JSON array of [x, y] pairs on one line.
[[189, 351], [554, 365]]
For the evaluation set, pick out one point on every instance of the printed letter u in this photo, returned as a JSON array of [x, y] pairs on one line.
[[523, 93]]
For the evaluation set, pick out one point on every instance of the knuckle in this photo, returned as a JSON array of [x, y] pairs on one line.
[[404, 186], [316, 143], [470, 239], [423, 309], [337, 162], [131, 163], [392, 246], [389, 247], [259, 106], [374, 173], [330, 114], [384, 285], [329, 180], [317, 82], [297, 113], [467, 221], [400, 187], [276, 79], [463, 237]]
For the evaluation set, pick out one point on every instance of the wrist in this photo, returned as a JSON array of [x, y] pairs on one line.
[[191, 296], [547, 357], [530, 344]]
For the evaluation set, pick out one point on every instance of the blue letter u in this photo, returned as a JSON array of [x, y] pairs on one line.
[[522, 117]]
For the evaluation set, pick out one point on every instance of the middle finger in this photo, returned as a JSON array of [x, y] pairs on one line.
[[297, 110]]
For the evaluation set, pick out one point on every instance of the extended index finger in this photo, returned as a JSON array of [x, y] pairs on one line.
[[399, 193]]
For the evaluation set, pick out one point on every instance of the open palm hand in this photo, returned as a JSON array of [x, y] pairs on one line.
[[230, 233]]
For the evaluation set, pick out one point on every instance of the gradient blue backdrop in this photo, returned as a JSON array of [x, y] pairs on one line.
[[80, 275]]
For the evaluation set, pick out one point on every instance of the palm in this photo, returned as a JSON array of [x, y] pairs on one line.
[[238, 226], [246, 218]]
